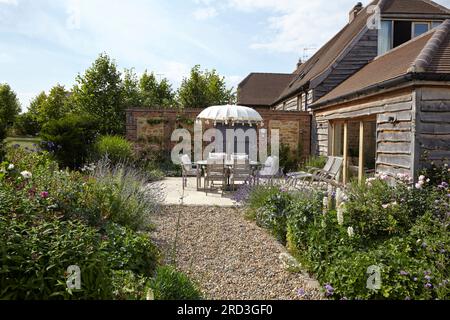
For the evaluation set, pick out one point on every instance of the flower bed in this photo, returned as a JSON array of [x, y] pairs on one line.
[[51, 219], [375, 241]]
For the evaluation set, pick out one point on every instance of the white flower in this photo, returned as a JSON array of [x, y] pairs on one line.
[[340, 214], [26, 174], [419, 185], [11, 167], [422, 178], [150, 295], [325, 205], [351, 232]]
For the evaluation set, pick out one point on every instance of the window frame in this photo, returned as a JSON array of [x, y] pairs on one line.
[[431, 25], [413, 28]]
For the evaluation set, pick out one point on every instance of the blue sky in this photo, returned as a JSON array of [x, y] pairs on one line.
[[44, 42]]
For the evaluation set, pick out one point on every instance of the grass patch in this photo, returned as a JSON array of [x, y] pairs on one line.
[[24, 142]]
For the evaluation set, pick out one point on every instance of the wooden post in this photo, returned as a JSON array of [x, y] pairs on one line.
[[331, 131], [345, 168], [361, 152]]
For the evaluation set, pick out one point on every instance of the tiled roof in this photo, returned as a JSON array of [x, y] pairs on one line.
[[429, 53], [261, 89], [330, 52]]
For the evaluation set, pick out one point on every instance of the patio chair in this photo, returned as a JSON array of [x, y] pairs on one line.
[[240, 172], [330, 176], [215, 171], [189, 170], [294, 176], [269, 171]]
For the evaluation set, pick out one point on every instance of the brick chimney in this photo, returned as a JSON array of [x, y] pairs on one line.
[[354, 12]]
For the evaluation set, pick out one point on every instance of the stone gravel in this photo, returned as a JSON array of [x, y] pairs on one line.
[[229, 257]]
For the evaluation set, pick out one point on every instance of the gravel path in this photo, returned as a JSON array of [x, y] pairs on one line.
[[230, 257]]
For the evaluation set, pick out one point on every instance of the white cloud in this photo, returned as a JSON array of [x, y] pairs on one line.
[[205, 13], [6, 58], [175, 72], [10, 2], [296, 24], [233, 81]]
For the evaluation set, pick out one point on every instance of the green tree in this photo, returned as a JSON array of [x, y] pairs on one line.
[[154, 93], [203, 89], [9, 106], [36, 104], [131, 93], [54, 107], [98, 94]]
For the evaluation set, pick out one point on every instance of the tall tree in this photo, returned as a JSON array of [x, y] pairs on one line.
[[98, 93], [154, 93], [36, 104], [54, 106], [131, 93], [203, 89], [9, 105]]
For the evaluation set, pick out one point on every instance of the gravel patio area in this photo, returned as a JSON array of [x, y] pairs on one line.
[[228, 256]]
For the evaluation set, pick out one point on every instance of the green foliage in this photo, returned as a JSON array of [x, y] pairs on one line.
[[273, 214], [169, 284], [54, 106], [116, 148], [131, 94], [289, 160], [257, 198], [9, 108], [98, 94], [315, 162], [401, 229], [157, 163], [51, 219], [35, 254], [129, 286], [378, 210], [70, 139], [26, 125], [203, 89], [133, 252], [154, 93], [122, 195]]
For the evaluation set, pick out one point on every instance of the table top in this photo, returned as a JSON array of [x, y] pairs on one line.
[[227, 163]]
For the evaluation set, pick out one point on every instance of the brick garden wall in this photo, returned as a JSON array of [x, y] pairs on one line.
[[153, 128]]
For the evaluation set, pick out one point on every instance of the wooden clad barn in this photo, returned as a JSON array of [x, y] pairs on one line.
[[379, 90], [392, 116]]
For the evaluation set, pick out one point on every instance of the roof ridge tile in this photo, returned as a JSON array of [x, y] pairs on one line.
[[425, 57]]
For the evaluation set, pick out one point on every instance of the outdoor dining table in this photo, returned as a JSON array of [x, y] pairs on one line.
[[229, 165]]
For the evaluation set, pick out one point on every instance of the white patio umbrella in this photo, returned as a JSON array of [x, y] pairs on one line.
[[231, 114]]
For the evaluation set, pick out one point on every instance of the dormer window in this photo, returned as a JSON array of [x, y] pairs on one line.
[[394, 33]]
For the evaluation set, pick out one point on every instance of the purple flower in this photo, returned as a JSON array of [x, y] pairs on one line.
[[329, 290], [424, 245], [415, 279], [403, 273], [427, 273], [44, 195], [443, 185], [428, 286], [301, 292], [428, 278]]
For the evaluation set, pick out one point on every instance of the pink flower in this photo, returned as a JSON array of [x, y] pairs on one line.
[[44, 195]]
